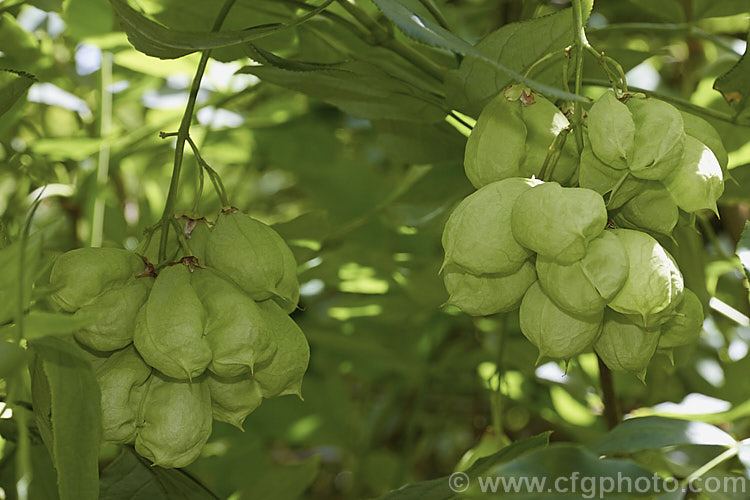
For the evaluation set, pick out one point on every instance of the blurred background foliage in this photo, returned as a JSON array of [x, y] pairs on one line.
[[359, 179]]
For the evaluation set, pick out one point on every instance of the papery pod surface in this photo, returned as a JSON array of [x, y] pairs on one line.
[[700, 129], [236, 330], [254, 256], [558, 222], [595, 175], [233, 399], [113, 313], [625, 346], [544, 121], [198, 238], [698, 182], [659, 138], [686, 324], [122, 380], [586, 286], [654, 280], [611, 131], [554, 331], [478, 237], [652, 210], [496, 146], [169, 328], [175, 421], [283, 375], [488, 294], [81, 274]]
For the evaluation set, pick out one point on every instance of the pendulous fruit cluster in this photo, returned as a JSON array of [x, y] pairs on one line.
[[577, 254], [207, 338]]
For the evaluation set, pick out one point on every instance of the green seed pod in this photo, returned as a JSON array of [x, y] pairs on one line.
[[169, 328], [625, 346], [652, 210], [659, 138], [700, 129], [255, 257], [233, 399], [236, 329], [283, 375], [122, 379], [611, 131], [175, 421], [544, 121], [81, 274], [685, 326], [555, 332], [654, 280], [595, 175], [496, 147], [698, 182], [585, 287], [199, 239], [488, 294], [113, 314], [558, 222], [478, 237]]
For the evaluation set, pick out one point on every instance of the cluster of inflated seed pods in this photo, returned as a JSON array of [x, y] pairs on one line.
[[578, 254], [206, 338]]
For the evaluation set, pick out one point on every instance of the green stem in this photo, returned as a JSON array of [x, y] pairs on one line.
[[553, 155], [682, 103], [102, 174], [722, 457], [435, 12], [181, 237], [212, 174], [580, 43], [684, 28], [617, 186], [611, 410], [382, 37], [544, 58], [606, 61], [183, 132]]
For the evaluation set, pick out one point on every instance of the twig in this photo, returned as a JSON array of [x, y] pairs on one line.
[[611, 410]]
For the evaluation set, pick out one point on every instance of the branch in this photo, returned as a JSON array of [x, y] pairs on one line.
[[182, 135], [611, 410]]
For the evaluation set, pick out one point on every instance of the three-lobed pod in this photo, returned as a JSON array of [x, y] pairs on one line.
[[551, 250], [193, 344]]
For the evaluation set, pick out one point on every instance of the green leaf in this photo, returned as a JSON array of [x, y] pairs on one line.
[[38, 324], [516, 45], [669, 10], [9, 288], [85, 18], [131, 477], [66, 405], [734, 85], [743, 249], [357, 87], [12, 357], [558, 465], [155, 40], [426, 31], [441, 488], [13, 86], [433, 143], [649, 433], [718, 8]]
